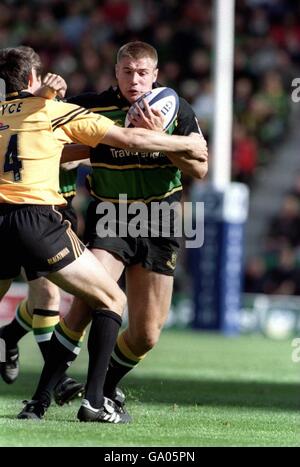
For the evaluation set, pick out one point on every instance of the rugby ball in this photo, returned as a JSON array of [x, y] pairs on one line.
[[163, 99]]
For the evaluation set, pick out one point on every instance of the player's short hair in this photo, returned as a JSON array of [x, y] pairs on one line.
[[16, 64], [136, 50]]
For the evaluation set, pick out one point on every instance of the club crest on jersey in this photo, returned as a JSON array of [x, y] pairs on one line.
[[3, 127]]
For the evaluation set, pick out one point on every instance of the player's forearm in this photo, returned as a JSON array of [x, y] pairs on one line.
[[139, 139], [144, 140], [74, 152], [194, 164], [193, 167]]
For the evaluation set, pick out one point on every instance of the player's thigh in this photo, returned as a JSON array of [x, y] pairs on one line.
[[43, 294], [149, 298], [87, 279], [47, 242], [111, 262], [80, 314]]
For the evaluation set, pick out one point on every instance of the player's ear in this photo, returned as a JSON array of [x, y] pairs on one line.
[[155, 73], [30, 78], [116, 70]]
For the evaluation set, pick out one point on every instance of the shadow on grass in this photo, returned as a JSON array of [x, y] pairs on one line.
[[214, 393]]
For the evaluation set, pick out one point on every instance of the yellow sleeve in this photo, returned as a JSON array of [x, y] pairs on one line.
[[62, 136], [78, 123], [88, 129]]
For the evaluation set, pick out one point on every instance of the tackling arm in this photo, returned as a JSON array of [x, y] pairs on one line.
[[196, 165], [92, 129], [139, 139]]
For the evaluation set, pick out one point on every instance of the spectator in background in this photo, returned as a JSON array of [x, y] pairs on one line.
[[284, 278], [204, 106], [285, 226], [255, 275], [244, 155]]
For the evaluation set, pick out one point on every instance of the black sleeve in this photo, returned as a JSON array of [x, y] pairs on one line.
[[86, 100], [186, 119]]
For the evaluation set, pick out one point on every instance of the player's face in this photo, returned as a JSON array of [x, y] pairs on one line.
[[135, 77]]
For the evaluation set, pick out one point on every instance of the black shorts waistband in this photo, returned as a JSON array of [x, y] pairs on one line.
[[9, 207]]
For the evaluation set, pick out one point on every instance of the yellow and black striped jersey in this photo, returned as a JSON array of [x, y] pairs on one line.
[[31, 144]]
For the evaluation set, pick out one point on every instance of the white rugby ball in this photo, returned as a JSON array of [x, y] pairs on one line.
[[163, 99]]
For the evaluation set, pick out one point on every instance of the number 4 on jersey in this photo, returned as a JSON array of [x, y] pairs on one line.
[[12, 163]]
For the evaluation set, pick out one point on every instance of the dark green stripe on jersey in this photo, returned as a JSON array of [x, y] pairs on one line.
[[138, 184]]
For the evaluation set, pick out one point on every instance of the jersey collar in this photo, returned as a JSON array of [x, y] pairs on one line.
[[17, 95]]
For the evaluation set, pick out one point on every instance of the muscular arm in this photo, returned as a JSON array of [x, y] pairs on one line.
[[194, 165], [181, 150], [91, 129], [139, 139]]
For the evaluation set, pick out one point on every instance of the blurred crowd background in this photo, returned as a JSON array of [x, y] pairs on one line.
[[79, 39]]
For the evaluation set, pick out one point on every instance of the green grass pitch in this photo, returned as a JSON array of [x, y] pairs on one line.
[[193, 389]]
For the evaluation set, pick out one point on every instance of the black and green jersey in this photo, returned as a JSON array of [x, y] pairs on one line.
[[67, 182], [141, 176]]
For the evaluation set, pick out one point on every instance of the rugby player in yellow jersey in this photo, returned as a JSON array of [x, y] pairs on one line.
[[39, 311], [34, 236]]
